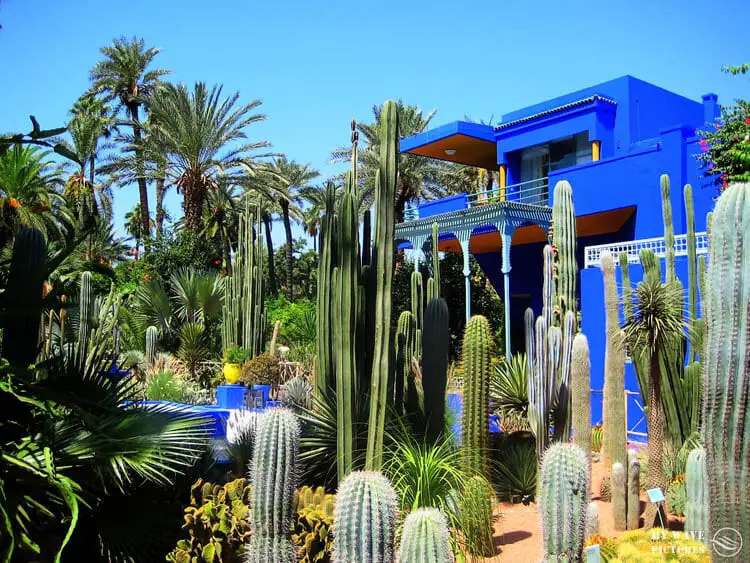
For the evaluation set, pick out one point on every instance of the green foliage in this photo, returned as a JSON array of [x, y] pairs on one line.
[[298, 319], [262, 370], [514, 468], [236, 355], [425, 537], [476, 516], [509, 387], [677, 496], [193, 347], [164, 386]]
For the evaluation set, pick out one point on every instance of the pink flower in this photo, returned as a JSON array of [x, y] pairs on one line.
[[747, 120]]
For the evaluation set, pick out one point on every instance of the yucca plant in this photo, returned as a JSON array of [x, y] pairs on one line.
[[193, 348], [509, 390], [514, 471]]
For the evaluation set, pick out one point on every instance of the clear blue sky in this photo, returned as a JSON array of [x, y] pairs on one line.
[[316, 65]]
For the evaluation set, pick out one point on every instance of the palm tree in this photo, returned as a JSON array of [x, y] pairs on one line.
[[292, 178], [134, 227], [124, 75], [29, 195], [199, 133], [418, 177], [657, 323], [220, 218]]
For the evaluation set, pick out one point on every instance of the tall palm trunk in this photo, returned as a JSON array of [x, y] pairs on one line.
[[195, 194], [160, 213], [655, 477], [142, 189], [289, 256], [272, 287]]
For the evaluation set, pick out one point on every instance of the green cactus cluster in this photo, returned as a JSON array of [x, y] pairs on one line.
[[425, 538], [476, 415], [564, 498], [405, 344], [433, 284], [244, 320], [581, 392], [726, 426], [326, 262], [417, 309], [696, 488], [435, 344], [564, 245], [313, 524], [592, 520], [274, 474], [365, 519]]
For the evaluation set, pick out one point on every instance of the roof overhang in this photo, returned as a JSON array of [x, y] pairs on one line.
[[461, 141]]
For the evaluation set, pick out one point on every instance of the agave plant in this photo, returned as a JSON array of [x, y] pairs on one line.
[[508, 387], [297, 392]]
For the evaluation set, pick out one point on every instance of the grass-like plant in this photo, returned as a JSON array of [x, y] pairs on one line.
[[514, 471], [164, 386], [509, 390]]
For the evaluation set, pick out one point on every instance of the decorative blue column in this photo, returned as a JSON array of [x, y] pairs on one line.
[[506, 235], [464, 238]]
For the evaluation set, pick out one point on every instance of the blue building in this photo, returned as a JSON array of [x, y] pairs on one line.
[[612, 142]]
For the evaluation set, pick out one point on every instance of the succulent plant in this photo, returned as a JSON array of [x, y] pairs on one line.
[[476, 516], [435, 342], [581, 392], [634, 491], [476, 416], [619, 496], [425, 538], [696, 485], [592, 519]]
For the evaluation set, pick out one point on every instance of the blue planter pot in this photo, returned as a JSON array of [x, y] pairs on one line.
[[261, 393], [231, 396]]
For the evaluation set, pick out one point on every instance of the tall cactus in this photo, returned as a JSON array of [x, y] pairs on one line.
[[564, 243], [243, 312], [696, 486], [634, 491], [692, 267], [564, 501], [581, 392], [417, 309], [22, 299], [425, 538], [619, 496], [274, 481], [476, 516], [385, 189], [152, 337], [85, 312], [435, 342], [476, 416], [615, 437], [326, 262], [364, 519], [666, 205], [405, 335], [726, 369], [435, 264]]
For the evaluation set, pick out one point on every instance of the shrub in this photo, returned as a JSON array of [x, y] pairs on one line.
[[164, 386], [677, 496], [236, 355], [262, 370], [298, 319], [514, 468]]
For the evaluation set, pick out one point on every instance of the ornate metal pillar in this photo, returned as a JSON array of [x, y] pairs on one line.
[[506, 229], [464, 238]]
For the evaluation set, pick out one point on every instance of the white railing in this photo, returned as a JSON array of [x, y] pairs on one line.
[[534, 192], [633, 249]]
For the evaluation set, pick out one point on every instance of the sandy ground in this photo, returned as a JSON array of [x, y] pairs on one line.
[[518, 535]]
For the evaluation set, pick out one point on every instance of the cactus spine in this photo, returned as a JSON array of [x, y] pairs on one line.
[[726, 370], [564, 243], [696, 486], [619, 497], [152, 337], [364, 519], [435, 341], [564, 500], [425, 538], [615, 438], [476, 416], [243, 316], [666, 206], [85, 313], [634, 491], [385, 188], [592, 520], [22, 299], [581, 392], [273, 493]]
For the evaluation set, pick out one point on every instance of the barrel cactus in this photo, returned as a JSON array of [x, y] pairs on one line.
[[425, 538], [564, 497], [364, 519], [696, 484], [274, 474]]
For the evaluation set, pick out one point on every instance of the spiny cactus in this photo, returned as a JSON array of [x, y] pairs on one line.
[[364, 519], [434, 291], [274, 475], [85, 312], [417, 302], [152, 337], [425, 538], [326, 261], [435, 341], [476, 516], [564, 496], [476, 416], [564, 243], [634, 491], [405, 336], [385, 188], [581, 392], [619, 496], [726, 426], [666, 206], [22, 299], [615, 437], [696, 485], [592, 520]]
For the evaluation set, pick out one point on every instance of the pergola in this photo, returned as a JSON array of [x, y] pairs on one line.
[[505, 216]]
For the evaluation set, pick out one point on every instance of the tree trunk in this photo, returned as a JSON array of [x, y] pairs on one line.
[[289, 256], [399, 207], [142, 189], [194, 194], [272, 287], [366, 238], [160, 213], [655, 516]]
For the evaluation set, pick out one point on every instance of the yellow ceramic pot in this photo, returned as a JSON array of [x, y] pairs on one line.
[[232, 372]]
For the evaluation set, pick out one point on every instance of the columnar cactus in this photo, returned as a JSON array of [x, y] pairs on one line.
[[619, 497], [581, 392], [22, 299], [405, 335], [696, 486], [417, 309], [152, 337], [85, 312], [435, 342], [666, 206], [726, 370], [615, 437], [476, 516], [425, 538], [564, 243], [564, 493], [364, 519], [476, 416], [326, 262], [592, 520], [692, 266], [634, 491], [274, 481], [385, 189], [435, 294]]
